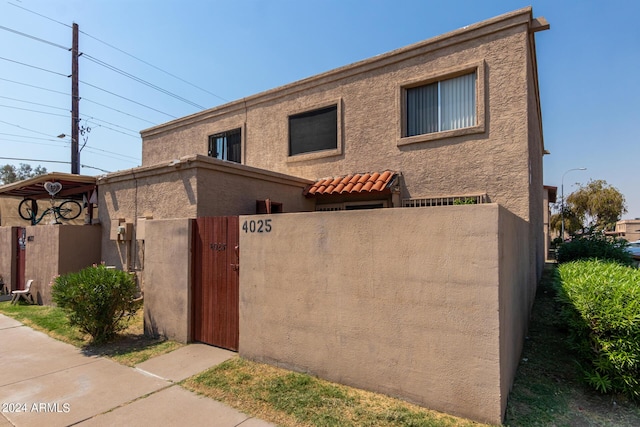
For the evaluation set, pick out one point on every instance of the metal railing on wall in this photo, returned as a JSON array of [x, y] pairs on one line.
[[468, 199]]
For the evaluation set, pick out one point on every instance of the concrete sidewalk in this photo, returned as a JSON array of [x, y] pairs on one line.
[[46, 382]]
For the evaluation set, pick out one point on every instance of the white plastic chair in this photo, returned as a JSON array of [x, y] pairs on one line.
[[24, 294]]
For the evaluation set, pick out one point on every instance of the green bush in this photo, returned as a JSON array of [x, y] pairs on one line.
[[98, 300], [595, 246], [601, 305]]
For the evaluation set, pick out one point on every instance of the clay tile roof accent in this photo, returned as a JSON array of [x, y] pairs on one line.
[[373, 182]]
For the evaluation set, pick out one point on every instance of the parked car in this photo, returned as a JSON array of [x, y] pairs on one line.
[[634, 248]]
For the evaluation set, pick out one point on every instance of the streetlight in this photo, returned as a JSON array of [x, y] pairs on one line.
[[75, 154], [562, 196]]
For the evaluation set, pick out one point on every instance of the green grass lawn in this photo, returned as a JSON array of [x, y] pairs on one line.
[[130, 348], [293, 399]]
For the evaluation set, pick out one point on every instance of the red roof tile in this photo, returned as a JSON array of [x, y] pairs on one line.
[[356, 183]]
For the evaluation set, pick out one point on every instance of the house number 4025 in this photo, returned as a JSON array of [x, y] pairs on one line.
[[259, 226]]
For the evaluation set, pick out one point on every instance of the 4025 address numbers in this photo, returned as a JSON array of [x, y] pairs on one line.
[[259, 226]]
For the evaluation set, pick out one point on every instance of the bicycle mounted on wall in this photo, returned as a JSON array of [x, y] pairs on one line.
[[67, 210]]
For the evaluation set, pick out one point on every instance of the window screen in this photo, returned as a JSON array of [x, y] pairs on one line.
[[313, 131]]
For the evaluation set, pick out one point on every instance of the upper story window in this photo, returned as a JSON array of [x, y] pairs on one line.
[[226, 145], [313, 131], [441, 106]]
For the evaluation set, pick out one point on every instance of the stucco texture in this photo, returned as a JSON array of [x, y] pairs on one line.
[[194, 186], [400, 301], [58, 249], [494, 160], [167, 304]]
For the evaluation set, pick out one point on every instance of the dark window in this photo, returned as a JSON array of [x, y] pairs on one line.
[[226, 145], [313, 131], [441, 106]]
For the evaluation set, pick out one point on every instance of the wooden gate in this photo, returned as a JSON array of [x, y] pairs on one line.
[[215, 296], [21, 240]]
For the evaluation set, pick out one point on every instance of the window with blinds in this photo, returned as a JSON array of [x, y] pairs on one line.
[[440, 106]]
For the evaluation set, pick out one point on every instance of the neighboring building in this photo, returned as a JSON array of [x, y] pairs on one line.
[[628, 229]]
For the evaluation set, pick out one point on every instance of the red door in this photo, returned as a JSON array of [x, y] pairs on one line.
[[215, 294], [21, 239]]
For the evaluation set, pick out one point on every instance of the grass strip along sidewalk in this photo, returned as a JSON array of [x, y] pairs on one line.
[[131, 348]]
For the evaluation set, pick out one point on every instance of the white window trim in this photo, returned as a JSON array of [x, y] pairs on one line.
[[323, 153], [478, 67]]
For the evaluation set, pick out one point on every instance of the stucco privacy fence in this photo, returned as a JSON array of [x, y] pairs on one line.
[[428, 304]]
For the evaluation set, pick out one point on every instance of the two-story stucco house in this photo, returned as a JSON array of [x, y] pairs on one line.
[[419, 298]]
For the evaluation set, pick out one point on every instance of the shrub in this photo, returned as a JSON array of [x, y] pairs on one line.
[[601, 304], [98, 300], [595, 246]]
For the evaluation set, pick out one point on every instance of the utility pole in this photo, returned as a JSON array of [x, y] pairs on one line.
[[75, 105]]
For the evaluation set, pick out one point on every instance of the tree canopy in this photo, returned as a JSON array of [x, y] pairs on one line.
[[595, 206], [10, 173]]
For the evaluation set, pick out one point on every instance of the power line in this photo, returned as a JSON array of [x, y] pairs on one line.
[[121, 112], [20, 127], [33, 111], [36, 87], [139, 80], [127, 99], [30, 137], [33, 66], [33, 103], [87, 118], [64, 115], [33, 160], [51, 161], [153, 66], [36, 13], [84, 99], [116, 130], [34, 143], [33, 37], [126, 53]]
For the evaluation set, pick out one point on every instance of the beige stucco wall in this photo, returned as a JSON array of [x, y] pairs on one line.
[[167, 277], [8, 248], [516, 294], [190, 187], [400, 301], [9, 212], [58, 249]]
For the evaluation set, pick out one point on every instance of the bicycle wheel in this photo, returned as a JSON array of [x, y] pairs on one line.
[[28, 209], [69, 209]]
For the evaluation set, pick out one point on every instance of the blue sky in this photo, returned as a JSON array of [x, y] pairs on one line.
[[589, 70]]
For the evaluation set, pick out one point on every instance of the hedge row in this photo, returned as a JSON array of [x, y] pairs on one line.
[[601, 306], [595, 246]]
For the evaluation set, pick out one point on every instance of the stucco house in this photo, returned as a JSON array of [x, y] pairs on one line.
[[378, 225], [383, 299]]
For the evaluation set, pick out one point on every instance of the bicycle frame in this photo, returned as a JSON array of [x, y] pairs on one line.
[[67, 210]]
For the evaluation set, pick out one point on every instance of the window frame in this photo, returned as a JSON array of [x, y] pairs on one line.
[[237, 129], [311, 155], [478, 68]]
